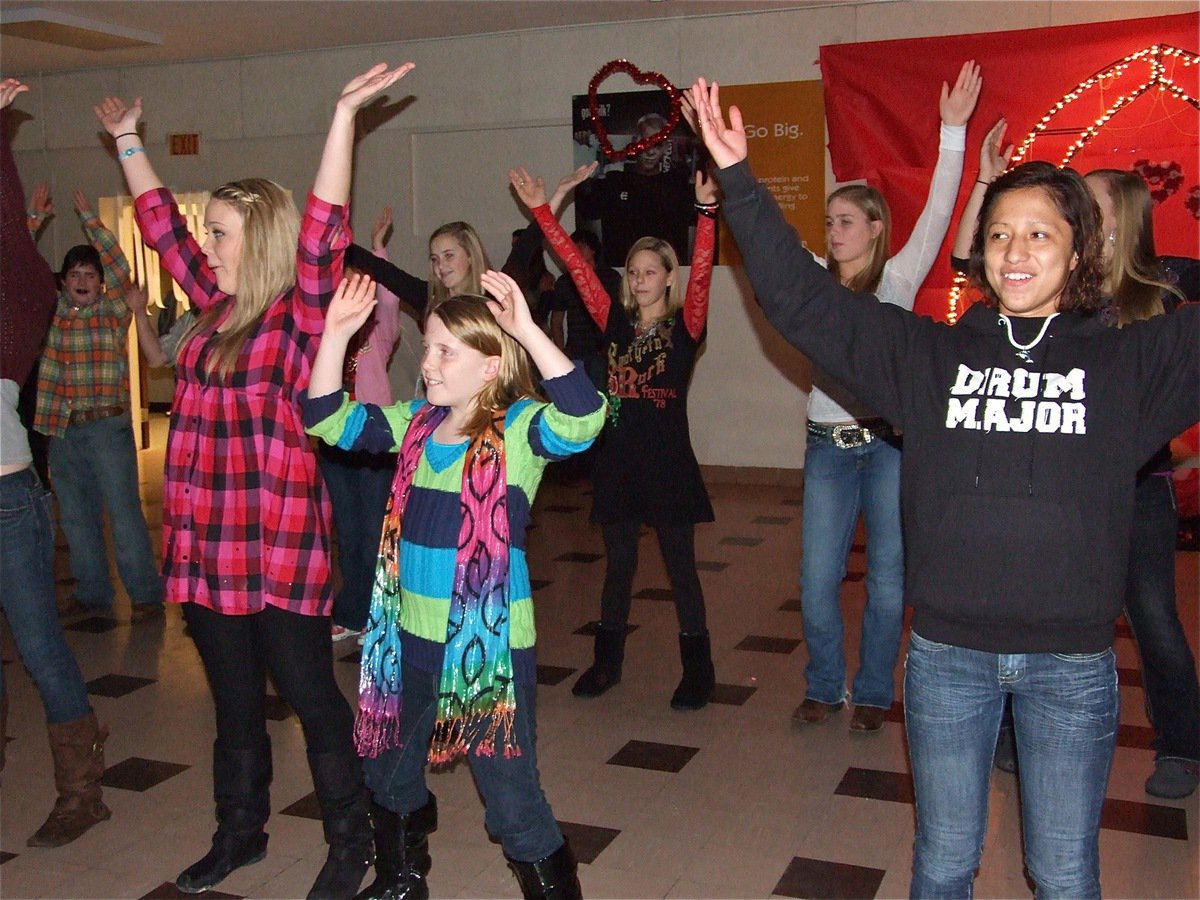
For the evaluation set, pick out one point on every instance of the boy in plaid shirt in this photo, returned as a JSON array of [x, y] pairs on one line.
[[83, 406]]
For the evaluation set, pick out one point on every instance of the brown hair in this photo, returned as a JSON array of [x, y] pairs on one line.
[[875, 208]]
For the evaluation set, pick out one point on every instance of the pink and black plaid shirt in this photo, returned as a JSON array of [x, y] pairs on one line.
[[245, 515]]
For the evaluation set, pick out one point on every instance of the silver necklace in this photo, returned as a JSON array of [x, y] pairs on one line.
[[1022, 350]]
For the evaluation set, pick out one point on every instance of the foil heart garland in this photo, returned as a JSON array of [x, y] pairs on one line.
[[632, 149]]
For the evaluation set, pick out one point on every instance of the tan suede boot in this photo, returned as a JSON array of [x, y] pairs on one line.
[[78, 750]]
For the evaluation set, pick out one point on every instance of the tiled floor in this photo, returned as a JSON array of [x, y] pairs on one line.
[[732, 801]]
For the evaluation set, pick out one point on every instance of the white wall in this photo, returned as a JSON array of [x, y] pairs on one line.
[[478, 106]]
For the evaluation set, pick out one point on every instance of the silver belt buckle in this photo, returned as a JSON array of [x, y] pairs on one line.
[[847, 437]]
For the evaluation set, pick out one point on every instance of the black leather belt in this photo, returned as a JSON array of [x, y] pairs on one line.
[[79, 416], [846, 437]]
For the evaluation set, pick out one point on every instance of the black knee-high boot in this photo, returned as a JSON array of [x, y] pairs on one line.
[[241, 789], [337, 778], [402, 858]]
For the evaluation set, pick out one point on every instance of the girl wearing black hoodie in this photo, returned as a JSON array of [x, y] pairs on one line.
[[1024, 426]]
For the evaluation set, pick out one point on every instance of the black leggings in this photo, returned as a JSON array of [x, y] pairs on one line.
[[678, 545], [238, 651]]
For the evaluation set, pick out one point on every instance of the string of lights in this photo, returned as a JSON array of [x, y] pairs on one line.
[[1157, 57]]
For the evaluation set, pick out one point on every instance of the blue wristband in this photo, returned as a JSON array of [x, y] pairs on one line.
[[130, 151]]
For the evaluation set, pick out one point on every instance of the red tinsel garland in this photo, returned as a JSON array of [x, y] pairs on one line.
[[634, 147]]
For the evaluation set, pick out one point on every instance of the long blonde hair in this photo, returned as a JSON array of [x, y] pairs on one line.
[[875, 208], [467, 317], [670, 262], [467, 238], [267, 268], [1135, 277]]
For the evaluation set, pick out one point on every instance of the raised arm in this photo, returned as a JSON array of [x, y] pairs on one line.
[[992, 162], [324, 231], [914, 260], [328, 412], [512, 314], [532, 192], [158, 217], [117, 281], [387, 305], [121, 122], [41, 209], [695, 303], [27, 292], [857, 340], [147, 334], [332, 183], [529, 242], [350, 307]]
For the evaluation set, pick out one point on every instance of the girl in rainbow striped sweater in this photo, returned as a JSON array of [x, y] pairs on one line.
[[448, 663]]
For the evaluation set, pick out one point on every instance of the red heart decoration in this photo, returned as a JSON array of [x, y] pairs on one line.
[[639, 77], [1163, 178]]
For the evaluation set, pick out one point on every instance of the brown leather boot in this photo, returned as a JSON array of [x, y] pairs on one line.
[[78, 750]]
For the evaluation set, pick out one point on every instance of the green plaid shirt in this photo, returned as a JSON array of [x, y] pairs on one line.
[[85, 363]]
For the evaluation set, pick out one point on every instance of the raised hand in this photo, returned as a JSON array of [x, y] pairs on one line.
[[992, 160], [136, 300], [350, 307], [507, 304], [116, 117], [958, 103], [531, 190], [726, 144], [361, 88], [81, 203], [568, 183], [41, 207], [706, 188], [687, 107], [379, 231], [9, 88]]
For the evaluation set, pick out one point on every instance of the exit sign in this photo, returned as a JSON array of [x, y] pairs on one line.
[[184, 144]]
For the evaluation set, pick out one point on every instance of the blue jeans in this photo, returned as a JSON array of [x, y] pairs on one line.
[[1065, 711], [359, 486], [1168, 667], [837, 484], [27, 598], [516, 809], [94, 467]]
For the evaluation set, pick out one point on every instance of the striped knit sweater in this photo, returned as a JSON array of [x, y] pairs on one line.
[[534, 434]]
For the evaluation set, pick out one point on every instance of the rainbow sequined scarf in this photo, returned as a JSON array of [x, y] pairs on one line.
[[476, 698]]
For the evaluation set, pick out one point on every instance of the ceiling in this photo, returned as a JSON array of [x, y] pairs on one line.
[[211, 29]]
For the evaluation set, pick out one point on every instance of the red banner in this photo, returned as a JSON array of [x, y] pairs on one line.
[[1105, 95]]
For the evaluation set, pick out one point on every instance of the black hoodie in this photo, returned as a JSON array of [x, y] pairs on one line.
[[1018, 474]]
